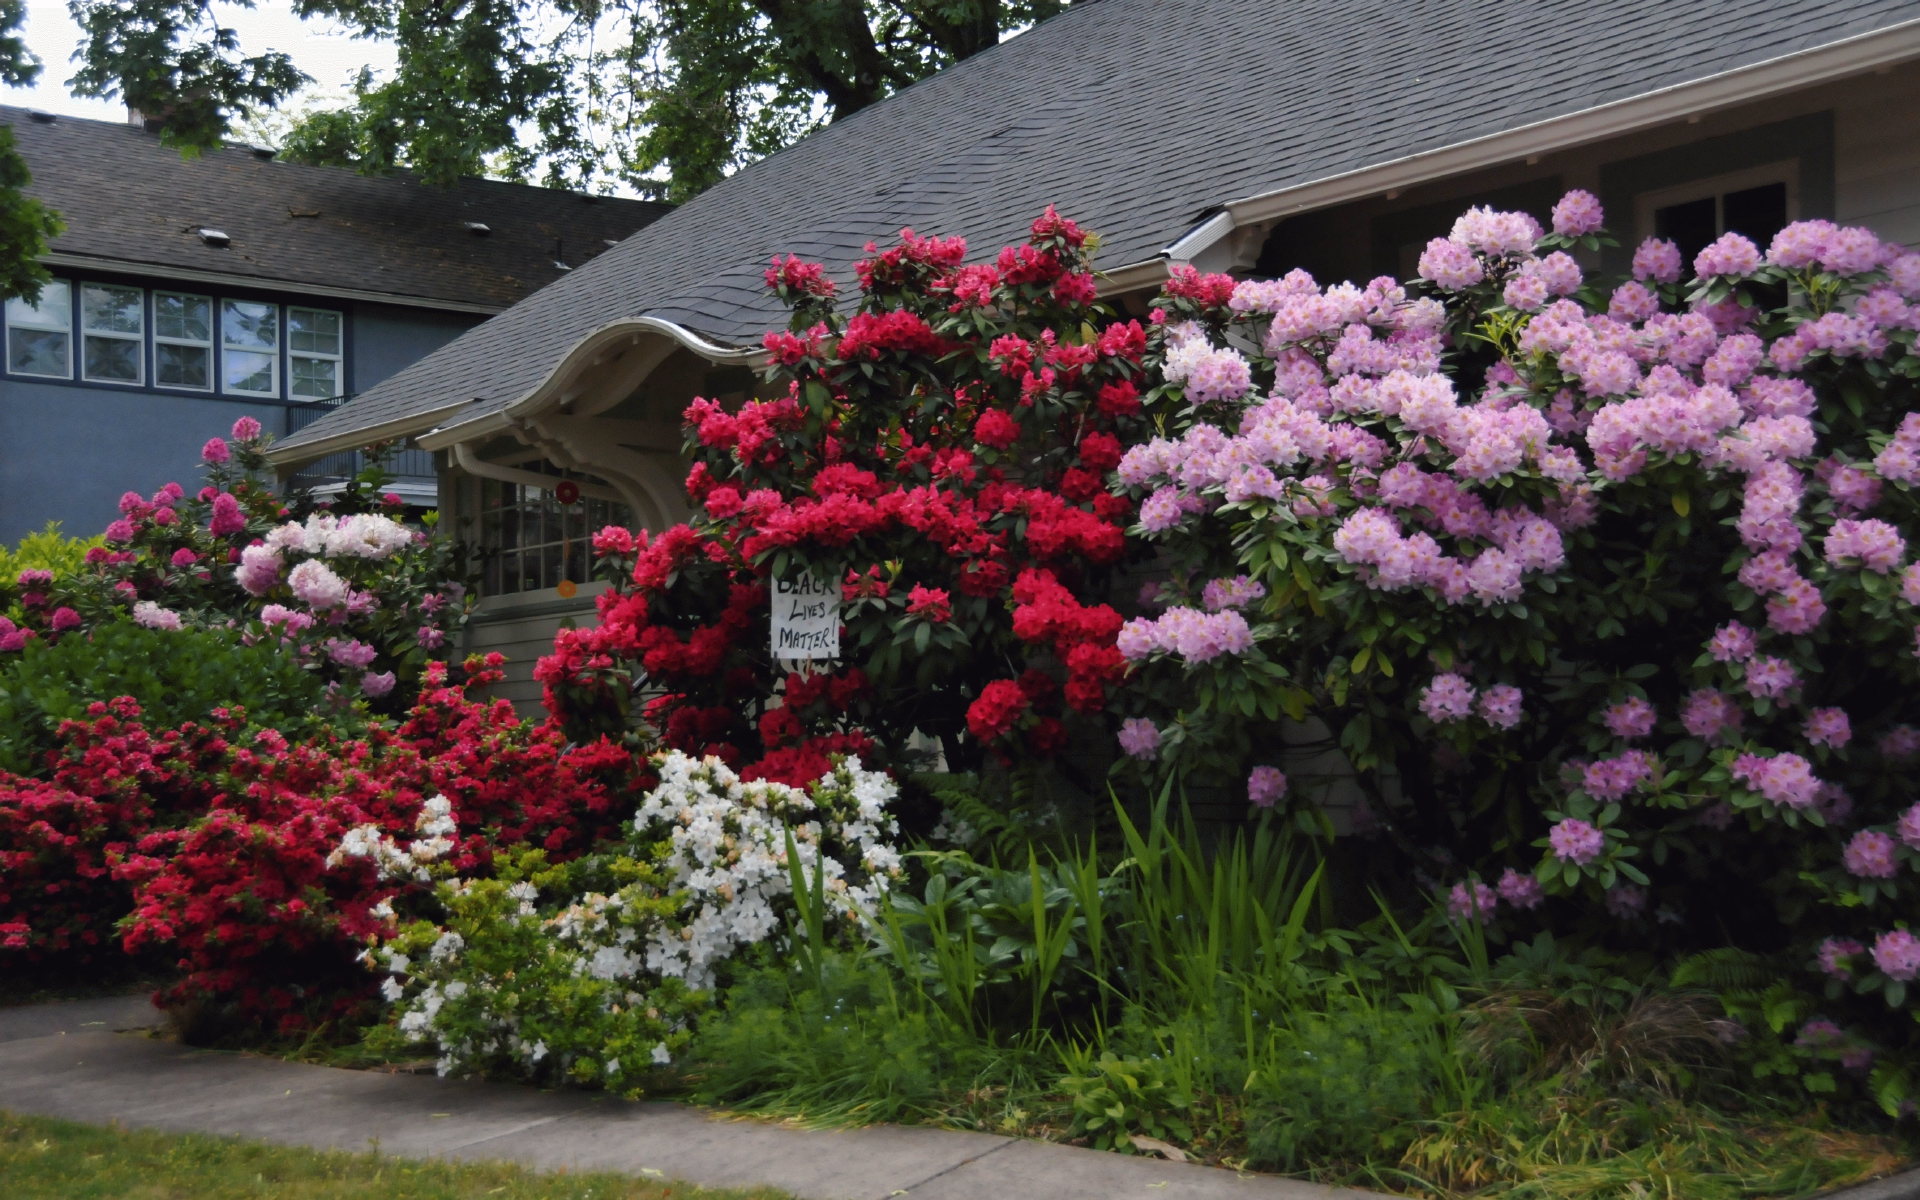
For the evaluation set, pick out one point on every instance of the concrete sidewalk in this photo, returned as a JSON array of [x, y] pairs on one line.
[[62, 1061]]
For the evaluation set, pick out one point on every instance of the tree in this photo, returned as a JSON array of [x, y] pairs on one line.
[[667, 96], [25, 223]]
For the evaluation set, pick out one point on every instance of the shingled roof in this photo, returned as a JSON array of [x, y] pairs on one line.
[[131, 203], [1137, 118]]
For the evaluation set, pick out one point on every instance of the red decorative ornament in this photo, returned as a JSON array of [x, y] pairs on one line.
[[568, 492]]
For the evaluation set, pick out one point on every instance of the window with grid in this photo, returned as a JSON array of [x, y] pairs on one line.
[[529, 540], [113, 326], [1755, 203], [249, 348], [313, 353], [183, 341], [40, 336]]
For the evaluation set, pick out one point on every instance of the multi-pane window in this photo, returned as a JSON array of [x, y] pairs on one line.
[[1755, 203], [313, 353], [250, 347], [183, 341], [40, 336], [530, 540], [112, 333]]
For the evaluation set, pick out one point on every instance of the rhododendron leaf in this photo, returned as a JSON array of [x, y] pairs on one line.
[[1682, 503], [1360, 660]]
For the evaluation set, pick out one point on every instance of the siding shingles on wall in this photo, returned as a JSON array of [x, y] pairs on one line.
[[522, 628], [1877, 155]]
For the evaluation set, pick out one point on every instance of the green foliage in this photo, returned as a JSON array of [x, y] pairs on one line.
[[26, 225], [174, 675], [1114, 1100], [852, 1046], [45, 1159], [173, 62], [1346, 1079], [47, 550], [668, 97]]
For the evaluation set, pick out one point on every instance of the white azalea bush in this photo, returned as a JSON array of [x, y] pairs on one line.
[[592, 970]]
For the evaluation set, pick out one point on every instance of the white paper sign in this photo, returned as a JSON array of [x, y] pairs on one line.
[[806, 618]]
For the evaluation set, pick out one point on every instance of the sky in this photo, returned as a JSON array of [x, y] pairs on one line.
[[318, 47]]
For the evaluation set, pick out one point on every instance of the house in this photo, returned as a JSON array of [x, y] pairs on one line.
[[190, 292], [1235, 135]]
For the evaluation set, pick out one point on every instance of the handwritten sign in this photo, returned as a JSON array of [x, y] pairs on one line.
[[806, 618]]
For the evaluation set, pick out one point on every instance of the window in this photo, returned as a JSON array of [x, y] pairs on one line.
[[1755, 203], [313, 353], [112, 333], [40, 336], [183, 341], [250, 347], [530, 540]]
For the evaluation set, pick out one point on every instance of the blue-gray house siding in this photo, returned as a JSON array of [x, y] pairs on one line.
[[69, 448]]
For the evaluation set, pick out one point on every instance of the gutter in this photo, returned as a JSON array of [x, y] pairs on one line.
[[1788, 73], [426, 429], [588, 351], [120, 266]]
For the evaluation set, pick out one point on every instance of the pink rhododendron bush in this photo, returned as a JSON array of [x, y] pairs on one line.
[[1606, 596], [936, 458], [356, 596]]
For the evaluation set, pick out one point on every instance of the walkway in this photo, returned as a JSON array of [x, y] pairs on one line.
[[64, 1060]]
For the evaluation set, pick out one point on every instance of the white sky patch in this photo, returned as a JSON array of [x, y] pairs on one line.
[[321, 48]]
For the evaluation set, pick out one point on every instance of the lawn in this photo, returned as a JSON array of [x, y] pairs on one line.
[[46, 1158]]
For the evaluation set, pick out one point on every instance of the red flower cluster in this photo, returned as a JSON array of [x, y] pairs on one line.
[[212, 843], [885, 462]]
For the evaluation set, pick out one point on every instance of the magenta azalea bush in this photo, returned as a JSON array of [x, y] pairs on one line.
[[357, 596], [1605, 596]]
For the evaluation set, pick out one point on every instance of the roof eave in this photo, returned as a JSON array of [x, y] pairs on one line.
[[153, 270], [431, 434], [1787, 73]]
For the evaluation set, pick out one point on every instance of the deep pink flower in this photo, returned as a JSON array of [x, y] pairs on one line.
[[1499, 706], [1140, 738], [1577, 212], [1832, 955], [1265, 785], [63, 619], [1870, 855], [1575, 841], [1631, 718], [1829, 727], [246, 429], [1897, 954], [215, 451], [1473, 901], [930, 604], [1521, 890], [1448, 698]]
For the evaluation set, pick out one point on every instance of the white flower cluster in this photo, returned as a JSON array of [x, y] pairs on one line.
[[728, 851], [435, 824], [710, 853], [362, 535]]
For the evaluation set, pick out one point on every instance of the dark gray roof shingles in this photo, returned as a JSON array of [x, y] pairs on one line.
[[127, 199], [1134, 117]]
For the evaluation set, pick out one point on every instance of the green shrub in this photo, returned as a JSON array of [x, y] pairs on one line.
[[174, 675], [47, 550], [1345, 1081], [858, 1044]]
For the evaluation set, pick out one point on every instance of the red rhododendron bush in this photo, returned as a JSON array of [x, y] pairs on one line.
[[1607, 596], [938, 457], [219, 847]]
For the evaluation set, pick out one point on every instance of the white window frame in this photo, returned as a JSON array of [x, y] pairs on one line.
[[35, 319], [272, 352], [1715, 187], [138, 337], [338, 358], [207, 346]]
